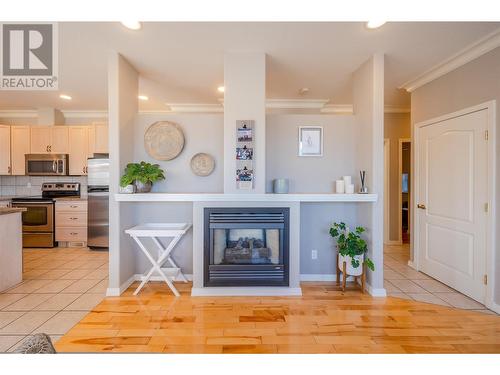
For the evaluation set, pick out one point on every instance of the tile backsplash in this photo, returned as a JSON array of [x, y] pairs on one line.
[[32, 185]]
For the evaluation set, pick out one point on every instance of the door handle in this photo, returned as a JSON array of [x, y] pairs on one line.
[[421, 206], [54, 166]]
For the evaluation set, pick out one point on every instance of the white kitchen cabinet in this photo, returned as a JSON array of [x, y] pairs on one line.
[[71, 222], [20, 145], [98, 139], [49, 139], [78, 149], [5, 150]]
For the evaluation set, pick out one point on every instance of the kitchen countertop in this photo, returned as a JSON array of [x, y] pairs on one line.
[[71, 199], [6, 197], [11, 210]]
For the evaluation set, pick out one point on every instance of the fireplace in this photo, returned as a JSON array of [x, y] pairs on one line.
[[246, 246]]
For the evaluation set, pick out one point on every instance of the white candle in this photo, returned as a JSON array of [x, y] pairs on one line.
[[349, 189], [340, 186], [347, 180]]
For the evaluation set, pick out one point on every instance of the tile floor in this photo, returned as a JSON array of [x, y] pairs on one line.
[[402, 281], [60, 287]]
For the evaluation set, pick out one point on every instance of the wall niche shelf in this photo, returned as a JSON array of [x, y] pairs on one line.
[[220, 197]]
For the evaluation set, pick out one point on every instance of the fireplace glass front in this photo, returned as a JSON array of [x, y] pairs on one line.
[[246, 246]]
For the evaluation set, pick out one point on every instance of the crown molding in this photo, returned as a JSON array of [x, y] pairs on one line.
[[19, 113], [346, 109], [469, 53], [84, 114], [195, 108], [396, 109], [296, 103]]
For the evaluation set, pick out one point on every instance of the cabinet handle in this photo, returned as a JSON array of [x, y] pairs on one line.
[[73, 206], [9, 170], [73, 218], [83, 169], [47, 148], [73, 233]]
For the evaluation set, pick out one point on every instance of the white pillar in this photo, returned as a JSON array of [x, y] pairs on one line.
[[368, 100], [244, 99], [123, 83]]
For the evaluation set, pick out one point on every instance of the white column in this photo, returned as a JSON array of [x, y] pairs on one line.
[[368, 100], [123, 82], [244, 99]]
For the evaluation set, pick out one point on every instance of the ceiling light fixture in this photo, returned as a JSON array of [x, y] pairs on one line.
[[303, 91], [220, 89], [132, 25], [65, 97], [374, 24], [143, 97]]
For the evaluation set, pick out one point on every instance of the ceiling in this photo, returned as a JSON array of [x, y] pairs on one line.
[[183, 62]]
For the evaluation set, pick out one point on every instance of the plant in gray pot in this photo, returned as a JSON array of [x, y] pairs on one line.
[[142, 175]]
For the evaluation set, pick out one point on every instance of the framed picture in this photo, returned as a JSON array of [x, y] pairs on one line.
[[310, 141], [244, 153]]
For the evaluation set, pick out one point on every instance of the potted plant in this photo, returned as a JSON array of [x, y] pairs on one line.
[[352, 248], [142, 175]]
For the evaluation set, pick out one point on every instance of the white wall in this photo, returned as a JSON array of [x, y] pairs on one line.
[[123, 83], [245, 99]]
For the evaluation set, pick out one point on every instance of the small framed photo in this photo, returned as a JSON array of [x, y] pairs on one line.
[[310, 141], [244, 153]]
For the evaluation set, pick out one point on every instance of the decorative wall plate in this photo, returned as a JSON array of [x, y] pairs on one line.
[[202, 164], [164, 140]]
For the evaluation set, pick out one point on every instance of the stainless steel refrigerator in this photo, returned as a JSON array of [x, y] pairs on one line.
[[98, 202]]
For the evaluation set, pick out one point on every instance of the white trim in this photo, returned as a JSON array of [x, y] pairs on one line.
[[396, 109], [195, 108], [321, 277], [20, 113], [84, 114], [221, 197], [346, 109], [494, 307], [296, 103], [393, 242], [387, 187], [490, 106], [411, 264], [375, 292], [258, 291], [116, 292], [469, 53], [400, 188]]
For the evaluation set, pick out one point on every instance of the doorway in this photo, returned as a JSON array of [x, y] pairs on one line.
[[453, 194], [404, 191]]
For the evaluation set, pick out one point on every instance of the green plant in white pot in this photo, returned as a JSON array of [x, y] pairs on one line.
[[352, 248], [142, 175]]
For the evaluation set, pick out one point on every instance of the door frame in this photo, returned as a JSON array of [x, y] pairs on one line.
[[400, 186], [490, 107], [387, 188]]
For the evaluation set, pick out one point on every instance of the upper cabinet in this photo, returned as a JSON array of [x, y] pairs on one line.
[[49, 140], [20, 145], [98, 138], [5, 150], [79, 149]]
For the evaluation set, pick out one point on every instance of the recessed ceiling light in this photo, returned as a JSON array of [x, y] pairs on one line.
[[220, 89], [132, 25], [143, 97], [303, 90], [373, 24], [65, 97]]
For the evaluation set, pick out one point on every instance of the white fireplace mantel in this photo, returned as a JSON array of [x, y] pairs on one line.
[[220, 197]]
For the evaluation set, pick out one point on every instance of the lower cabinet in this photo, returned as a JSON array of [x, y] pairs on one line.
[[71, 222]]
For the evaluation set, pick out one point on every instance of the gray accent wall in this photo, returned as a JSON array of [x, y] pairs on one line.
[[472, 84]]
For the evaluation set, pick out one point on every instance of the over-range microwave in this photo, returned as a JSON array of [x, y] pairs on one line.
[[46, 164]]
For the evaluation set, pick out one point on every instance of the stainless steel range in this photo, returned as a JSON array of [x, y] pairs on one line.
[[38, 219]]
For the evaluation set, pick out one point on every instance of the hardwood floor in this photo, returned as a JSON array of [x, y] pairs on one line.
[[323, 320]]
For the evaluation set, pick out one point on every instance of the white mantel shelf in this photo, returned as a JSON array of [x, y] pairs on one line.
[[219, 197]]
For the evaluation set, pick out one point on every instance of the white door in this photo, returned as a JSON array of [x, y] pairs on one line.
[[452, 193]]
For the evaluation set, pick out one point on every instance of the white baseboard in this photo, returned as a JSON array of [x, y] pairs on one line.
[[116, 292], [494, 307], [321, 277], [376, 292], [412, 265], [393, 242]]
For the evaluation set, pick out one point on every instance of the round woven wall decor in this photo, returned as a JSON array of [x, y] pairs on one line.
[[202, 164], [164, 140]]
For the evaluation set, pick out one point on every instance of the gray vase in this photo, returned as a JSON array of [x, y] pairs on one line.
[[142, 188]]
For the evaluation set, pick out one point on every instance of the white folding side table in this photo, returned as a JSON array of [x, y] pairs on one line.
[[156, 231]]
